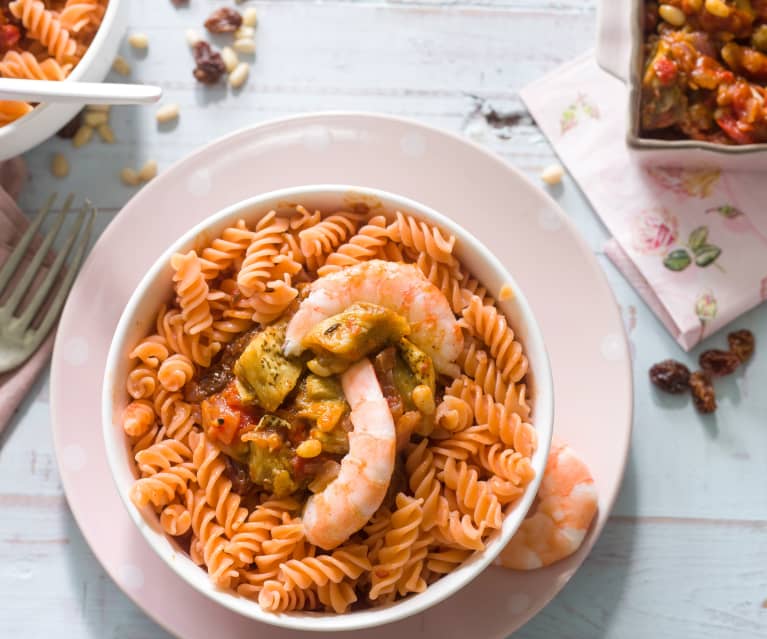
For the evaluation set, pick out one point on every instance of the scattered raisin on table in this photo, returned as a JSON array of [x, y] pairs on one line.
[[223, 20], [68, 131], [670, 376], [719, 363], [703, 395], [742, 344], [210, 66]]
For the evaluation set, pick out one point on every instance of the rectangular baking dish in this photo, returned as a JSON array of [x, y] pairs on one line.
[[620, 53]]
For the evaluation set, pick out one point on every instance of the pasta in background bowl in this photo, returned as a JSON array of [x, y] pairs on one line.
[[61, 40], [177, 468]]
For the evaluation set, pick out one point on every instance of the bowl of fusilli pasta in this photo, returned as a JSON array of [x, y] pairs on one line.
[[327, 407], [54, 40]]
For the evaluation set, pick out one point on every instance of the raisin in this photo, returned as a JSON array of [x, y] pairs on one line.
[[70, 128], [239, 475], [703, 395], [223, 20], [9, 37], [210, 66], [670, 376], [742, 344], [719, 363]]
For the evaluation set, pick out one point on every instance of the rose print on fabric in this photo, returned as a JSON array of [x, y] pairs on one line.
[[572, 115], [735, 220], [698, 250], [685, 182], [654, 231], [706, 308]]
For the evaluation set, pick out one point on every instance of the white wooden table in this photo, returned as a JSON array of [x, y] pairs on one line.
[[685, 552]]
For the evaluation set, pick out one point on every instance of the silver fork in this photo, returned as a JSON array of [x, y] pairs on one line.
[[19, 338]]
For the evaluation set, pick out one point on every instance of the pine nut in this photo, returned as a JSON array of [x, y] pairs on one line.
[[138, 40], [98, 108], [106, 133], [250, 17], [121, 66], [83, 136], [718, 8], [95, 118], [244, 33], [148, 171], [129, 176], [239, 75], [167, 112], [244, 45], [230, 58], [192, 37], [309, 448], [59, 165], [506, 293], [552, 174], [673, 15], [423, 399]]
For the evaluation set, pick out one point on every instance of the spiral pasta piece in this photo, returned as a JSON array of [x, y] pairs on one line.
[[507, 464], [504, 424], [457, 286], [161, 456], [445, 560], [192, 291], [376, 531], [226, 251], [258, 264], [395, 553], [141, 382], [152, 351], [275, 597], [474, 496], [222, 568], [412, 578], [246, 541], [454, 414], [422, 479], [176, 519], [285, 541], [76, 14], [365, 245], [11, 111], [198, 348], [218, 489], [138, 417], [347, 562], [423, 238], [459, 530], [463, 444], [489, 325], [175, 372], [160, 489], [478, 365], [26, 66], [337, 597], [44, 26], [271, 303], [324, 237]]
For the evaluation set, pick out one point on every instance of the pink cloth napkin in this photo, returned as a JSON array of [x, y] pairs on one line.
[[15, 384], [692, 242]]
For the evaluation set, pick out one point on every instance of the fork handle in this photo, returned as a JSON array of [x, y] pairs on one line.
[[78, 92]]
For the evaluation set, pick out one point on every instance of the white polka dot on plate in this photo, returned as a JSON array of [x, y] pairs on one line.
[[73, 457], [76, 351], [519, 603], [316, 138], [413, 144], [130, 577], [613, 347], [549, 219], [199, 183]]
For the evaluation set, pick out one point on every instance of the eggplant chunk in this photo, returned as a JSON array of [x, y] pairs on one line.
[[265, 376]]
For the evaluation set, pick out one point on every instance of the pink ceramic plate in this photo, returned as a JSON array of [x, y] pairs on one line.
[[520, 224]]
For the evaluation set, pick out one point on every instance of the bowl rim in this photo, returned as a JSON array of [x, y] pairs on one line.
[[634, 138], [444, 588], [82, 67]]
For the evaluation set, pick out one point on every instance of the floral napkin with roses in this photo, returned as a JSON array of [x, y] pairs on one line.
[[692, 242]]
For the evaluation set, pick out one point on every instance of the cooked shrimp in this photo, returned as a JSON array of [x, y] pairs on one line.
[[393, 285], [347, 503], [557, 523]]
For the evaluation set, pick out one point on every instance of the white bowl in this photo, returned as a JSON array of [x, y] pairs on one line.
[[138, 320], [46, 119]]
